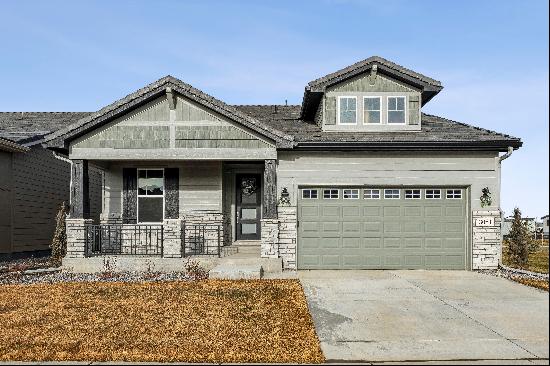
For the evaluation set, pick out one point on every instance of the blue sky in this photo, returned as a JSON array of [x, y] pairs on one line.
[[491, 56]]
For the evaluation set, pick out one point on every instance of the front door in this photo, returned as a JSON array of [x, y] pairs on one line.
[[249, 196]]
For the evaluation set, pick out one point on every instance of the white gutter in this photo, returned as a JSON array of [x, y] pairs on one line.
[[507, 155]]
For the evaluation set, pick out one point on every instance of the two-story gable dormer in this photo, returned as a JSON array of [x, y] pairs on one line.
[[371, 95]]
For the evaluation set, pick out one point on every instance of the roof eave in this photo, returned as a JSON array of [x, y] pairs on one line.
[[500, 145]]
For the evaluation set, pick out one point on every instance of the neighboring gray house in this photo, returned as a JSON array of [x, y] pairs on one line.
[[356, 177], [33, 181]]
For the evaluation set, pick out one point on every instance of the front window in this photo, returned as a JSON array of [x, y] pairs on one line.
[[150, 195], [347, 110], [396, 110], [371, 110]]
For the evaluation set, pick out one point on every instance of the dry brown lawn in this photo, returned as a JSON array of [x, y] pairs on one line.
[[538, 262], [540, 284], [206, 321]]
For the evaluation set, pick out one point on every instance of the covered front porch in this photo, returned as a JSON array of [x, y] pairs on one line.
[[170, 209]]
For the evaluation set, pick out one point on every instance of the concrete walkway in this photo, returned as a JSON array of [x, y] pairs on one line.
[[381, 316]]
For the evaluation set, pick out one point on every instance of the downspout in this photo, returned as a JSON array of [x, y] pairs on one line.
[[67, 160]]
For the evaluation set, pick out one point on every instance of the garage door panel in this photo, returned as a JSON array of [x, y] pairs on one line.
[[373, 243], [373, 227], [352, 261], [382, 233], [351, 212], [329, 243], [375, 211], [331, 260], [352, 242], [414, 261], [392, 243], [434, 243], [392, 227], [433, 227], [330, 211], [353, 228], [307, 212], [413, 211], [412, 227], [433, 211], [456, 211], [454, 243], [392, 211], [413, 243], [454, 227]]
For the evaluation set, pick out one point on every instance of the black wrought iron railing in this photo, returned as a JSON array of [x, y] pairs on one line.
[[201, 239], [118, 239]]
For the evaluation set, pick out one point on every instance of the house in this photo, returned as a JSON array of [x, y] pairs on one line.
[[356, 177], [545, 223], [34, 182]]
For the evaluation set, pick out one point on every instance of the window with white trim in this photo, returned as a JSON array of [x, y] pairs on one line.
[[396, 110], [330, 194], [392, 194], [350, 194], [454, 194], [433, 194], [412, 194], [309, 194], [371, 194], [150, 205], [372, 110], [347, 110]]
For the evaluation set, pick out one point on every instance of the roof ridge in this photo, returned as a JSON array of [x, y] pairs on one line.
[[372, 59], [471, 126]]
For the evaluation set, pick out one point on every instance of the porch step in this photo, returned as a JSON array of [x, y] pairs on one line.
[[248, 246], [228, 271]]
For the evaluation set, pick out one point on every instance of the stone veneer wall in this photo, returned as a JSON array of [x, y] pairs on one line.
[[210, 238], [76, 241], [486, 239], [279, 236], [288, 235]]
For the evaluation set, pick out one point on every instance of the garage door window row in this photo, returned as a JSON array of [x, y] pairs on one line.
[[389, 194]]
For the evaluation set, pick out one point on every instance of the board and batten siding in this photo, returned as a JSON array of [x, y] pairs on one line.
[[154, 132], [200, 186], [361, 86], [476, 170]]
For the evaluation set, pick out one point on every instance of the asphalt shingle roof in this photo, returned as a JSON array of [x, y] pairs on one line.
[[27, 126], [435, 130]]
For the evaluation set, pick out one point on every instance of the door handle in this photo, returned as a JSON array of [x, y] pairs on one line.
[[238, 217]]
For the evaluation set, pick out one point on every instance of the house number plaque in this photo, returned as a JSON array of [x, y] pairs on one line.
[[485, 221]]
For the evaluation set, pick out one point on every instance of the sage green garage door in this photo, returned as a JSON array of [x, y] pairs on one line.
[[382, 228]]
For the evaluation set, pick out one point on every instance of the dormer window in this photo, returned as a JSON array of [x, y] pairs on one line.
[[396, 110], [347, 110], [372, 107]]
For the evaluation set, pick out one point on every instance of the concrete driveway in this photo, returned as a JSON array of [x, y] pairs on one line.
[[425, 316]]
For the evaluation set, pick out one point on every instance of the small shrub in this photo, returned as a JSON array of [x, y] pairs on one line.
[[519, 239], [59, 241], [534, 245], [195, 270], [108, 270]]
